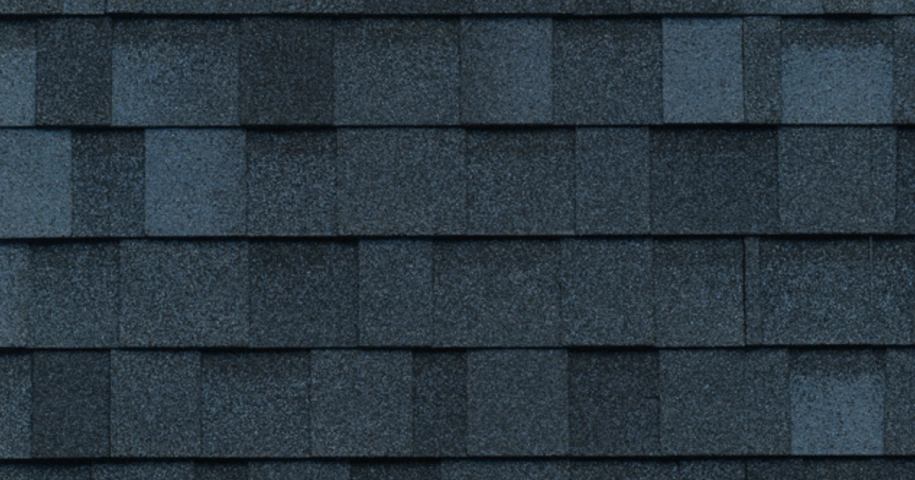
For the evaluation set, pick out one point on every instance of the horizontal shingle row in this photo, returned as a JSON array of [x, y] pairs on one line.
[[494, 182], [455, 403], [474, 70], [458, 293]]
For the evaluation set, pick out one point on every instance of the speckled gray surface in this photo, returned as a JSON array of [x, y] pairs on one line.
[[762, 69], [35, 186], [905, 181], [440, 404], [272, 470], [396, 471], [206, 6], [221, 470], [828, 468], [14, 295], [658, 470], [144, 471], [46, 472], [18, 72], [903, 71], [898, 407], [15, 405], [421, 7], [495, 470]]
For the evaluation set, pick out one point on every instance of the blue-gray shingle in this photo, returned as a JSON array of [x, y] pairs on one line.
[[686, 6], [287, 71], [175, 72], [836, 179], [514, 6], [15, 405], [205, 470], [14, 295], [595, 7], [505, 470], [607, 71], [520, 182], [60, 471], [762, 69], [195, 182], [703, 70], [413, 470], [291, 178], [496, 293], [124, 6], [900, 411], [830, 468], [397, 71], [183, 293], [70, 394], [506, 70], [157, 470], [416, 7], [439, 403], [35, 188], [74, 295], [317, 6], [716, 469], [18, 72], [20, 7], [837, 71], [904, 69], [304, 294], [206, 6], [361, 403], [320, 470], [83, 7], [155, 404], [255, 404], [905, 181], [401, 181], [517, 403], [724, 402]]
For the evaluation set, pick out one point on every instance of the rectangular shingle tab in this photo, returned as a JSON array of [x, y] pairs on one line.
[[657, 470], [206, 6], [83, 7], [714, 181], [836, 179], [175, 72], [520, 182], [698, 292], [506, 73], [497, 293], [195, 182], [517, 403], [900, 411], [70, 404], [905, 181], [724, 402], [287, 71], [74, 296], [20, 7], [904, 69], [18, 72], [762, 69], [607, 71], [401, 181], [837, 71], [829, 469], [685, 6], [361, 403], [74, 72], [417, 7], [60, 471], [304, 294], [159, 470], [514, 6], [184, 293], [272, 470], [34, 183], [396, 471], [155, 403], [221, 470], [15, 405], [505, 469], [439, 403], [14, 295], [613, 402], [397, 71], [703, 70]]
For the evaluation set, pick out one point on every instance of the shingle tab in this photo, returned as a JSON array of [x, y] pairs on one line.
[[440, 403], [904, 69], [287, 71], [155, 403], [304, 294], [83, 7], [836, 179], [698, 291], [905, 181], [64, 471], [505, 470], [144, 471], [506, 70], [401, 181], [613, 402], [900, 411], [658, 470], [34, 183], [517, 403], [19, 7], [417, 7], [173, 72], [397, 71], [595, 7], [892, 287], [837, 71], [74, 301], [396, 471], [255, 405], [612, 181], [298, 470], [206, 6], [830, 468], [395, 293], [837, 402], [74, 72], [514, 6], [703, 70], [686, 6], [497, 293], [520, 182], [221, 471], [184, 293], [707, 181], [14, 296], [724, 402], [70, 404], [317, 6], [762, 69], [195, 182], [361, 403], [607, 71], [606, 292], [15, 405], [18, 71]]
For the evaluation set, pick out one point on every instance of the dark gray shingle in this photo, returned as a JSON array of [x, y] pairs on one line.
[[396, 471], [515, 6], [298, 470], [497, 293], [905, 180], [361, 403], [607, 71], [762, 69], [70, 404], [287, 71], [255, 404], [505, 470], [19, 7], [396, 71], [158, 470], [206, 6], [83, 7], [18, 71], [14, 296], [685, 6], [63, 471], [900, 411], [15, 405], [34, 183], [304, 294], [904, 69], [181, 294], [517, 403], [221, 471], [155, 404], [420, 7], [317, 6], [506, 70], [658, 470], [830, 468], [439, 403]]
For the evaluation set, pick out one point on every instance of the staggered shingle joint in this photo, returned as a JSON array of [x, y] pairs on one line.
[[457, 239]]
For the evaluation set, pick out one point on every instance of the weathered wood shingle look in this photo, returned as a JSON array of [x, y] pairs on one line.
[[457, 239]]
